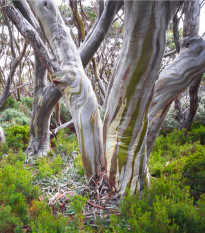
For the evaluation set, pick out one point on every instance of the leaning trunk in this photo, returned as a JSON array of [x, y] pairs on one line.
[[125, 123], [72, 81], [188, 66]]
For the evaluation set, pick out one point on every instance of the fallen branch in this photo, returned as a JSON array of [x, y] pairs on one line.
[[100, 207]]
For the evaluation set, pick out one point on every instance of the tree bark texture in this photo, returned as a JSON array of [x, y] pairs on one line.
[[42, 53], [188, 66], [190, 29], [45, 98], [193, 103], [125, 122], [72, 81]]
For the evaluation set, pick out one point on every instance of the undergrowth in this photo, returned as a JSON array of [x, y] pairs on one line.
[[175, 202]]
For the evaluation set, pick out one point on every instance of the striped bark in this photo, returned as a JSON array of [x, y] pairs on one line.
[[45, 98], [188, 66], [190, 29], [72, 81], [125, 123]]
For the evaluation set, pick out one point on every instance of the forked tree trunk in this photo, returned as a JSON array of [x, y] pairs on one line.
[[35, 145], [125, 123], [73, 82]]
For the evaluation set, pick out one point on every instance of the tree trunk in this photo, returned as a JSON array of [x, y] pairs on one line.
[[193, 103], [72, 81], [188, 66], [125, 122], [45, 98], [191, 28], [2, 137]]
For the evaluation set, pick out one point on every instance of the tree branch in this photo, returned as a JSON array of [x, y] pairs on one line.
[[88, 49], [33, 38]]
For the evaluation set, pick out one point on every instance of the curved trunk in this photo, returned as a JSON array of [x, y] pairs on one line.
[[44, 100], [189, 65], [72, 81], [125, 123], [190, 29]]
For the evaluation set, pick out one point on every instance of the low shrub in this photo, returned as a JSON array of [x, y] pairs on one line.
[[165, 207], [65, 144], [16, 192], [46, 168], [17, 137], [15, 115]]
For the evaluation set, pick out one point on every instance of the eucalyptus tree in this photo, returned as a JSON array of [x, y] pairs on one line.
[[118, 145]]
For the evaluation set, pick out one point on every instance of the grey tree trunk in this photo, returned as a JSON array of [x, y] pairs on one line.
[[45, 98], [127, 112], [72, 81], [191, 28], [125, 123], [39, 110], [188, 66]]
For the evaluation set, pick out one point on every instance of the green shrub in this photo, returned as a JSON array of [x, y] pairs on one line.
[[8, 221], [197, 134], [77, 203], [46, 168], [28, 101], [181, 154], [65, 144], [17, 137], [15, 115], [10, 103], [165, 207], [42, 221], [194, 172], [16, 192]]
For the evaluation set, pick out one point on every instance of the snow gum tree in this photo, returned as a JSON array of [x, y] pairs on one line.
[[120, 144]]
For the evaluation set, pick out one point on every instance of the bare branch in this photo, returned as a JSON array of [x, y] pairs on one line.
[[88, 49], [6, 92], [67, 124], [170, 53], [33, 38]]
